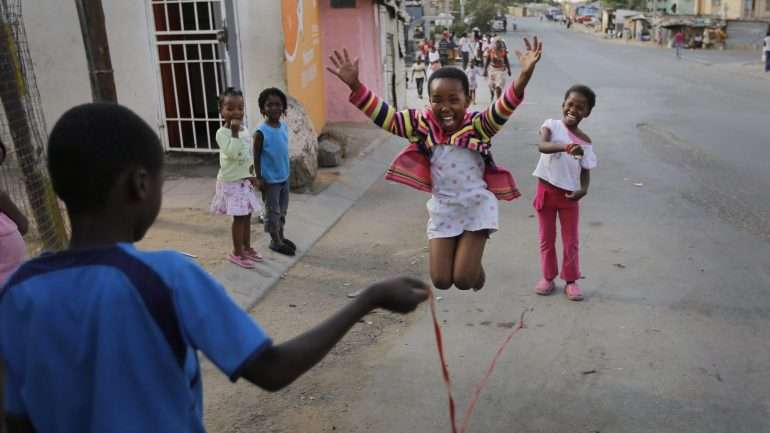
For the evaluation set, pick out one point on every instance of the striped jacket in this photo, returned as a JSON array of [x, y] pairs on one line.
[[412, 165]]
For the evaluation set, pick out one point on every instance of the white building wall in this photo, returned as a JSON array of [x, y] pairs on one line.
[[56, 47], [134, 60], [262, 52], [58, 56], [395, 27]]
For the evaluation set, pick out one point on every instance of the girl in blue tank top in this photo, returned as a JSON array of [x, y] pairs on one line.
[[271, 155]]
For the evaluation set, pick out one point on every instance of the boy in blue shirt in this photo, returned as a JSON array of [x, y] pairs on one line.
[[104, 337]]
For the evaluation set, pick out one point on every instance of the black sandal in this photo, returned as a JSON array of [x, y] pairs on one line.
[[282, 249]]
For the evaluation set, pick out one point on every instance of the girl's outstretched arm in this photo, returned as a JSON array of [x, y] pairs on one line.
[[401, 123], [491, 120]]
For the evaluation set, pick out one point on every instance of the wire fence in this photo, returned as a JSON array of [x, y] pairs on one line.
[[23, 175]]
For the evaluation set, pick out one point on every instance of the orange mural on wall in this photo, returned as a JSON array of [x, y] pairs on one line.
[[304, 57]]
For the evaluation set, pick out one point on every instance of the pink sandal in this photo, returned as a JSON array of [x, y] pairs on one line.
[[241, 261], [253, 254], [573, 292], [545, 287]]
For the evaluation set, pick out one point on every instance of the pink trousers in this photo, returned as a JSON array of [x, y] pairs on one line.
[[549, 203]]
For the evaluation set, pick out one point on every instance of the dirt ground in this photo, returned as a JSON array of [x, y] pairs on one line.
[[199, 232], [356, 252]]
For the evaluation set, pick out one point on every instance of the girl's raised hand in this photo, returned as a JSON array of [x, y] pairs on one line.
[[529, 58], [345, 69]]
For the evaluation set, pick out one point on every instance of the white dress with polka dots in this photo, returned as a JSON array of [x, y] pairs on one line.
[[460, 201]]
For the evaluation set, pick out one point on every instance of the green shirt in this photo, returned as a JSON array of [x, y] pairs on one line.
[[236, 155]]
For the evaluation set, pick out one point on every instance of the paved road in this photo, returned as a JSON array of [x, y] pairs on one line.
[[676, 325]]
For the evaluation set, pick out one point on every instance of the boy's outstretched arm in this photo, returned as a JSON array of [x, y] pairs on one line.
[[280, 365]]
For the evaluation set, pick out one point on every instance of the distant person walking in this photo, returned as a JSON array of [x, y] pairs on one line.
[[419, 73], [496, 67], [767, 51], [679, 43], [444, 46], [465, 49], [434, 60]]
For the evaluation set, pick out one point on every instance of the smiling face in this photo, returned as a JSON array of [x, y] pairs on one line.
[[231, 108], [449, 103], [575, 108], [273, 108]]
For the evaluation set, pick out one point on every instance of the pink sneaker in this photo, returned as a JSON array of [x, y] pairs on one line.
[[243, 262], [573, 292], [544, 287], [253, 255]]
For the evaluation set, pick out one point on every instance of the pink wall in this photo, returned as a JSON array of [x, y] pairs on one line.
[[357, 30]]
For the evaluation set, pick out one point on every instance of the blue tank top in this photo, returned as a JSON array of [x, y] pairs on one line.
[[274, 161]]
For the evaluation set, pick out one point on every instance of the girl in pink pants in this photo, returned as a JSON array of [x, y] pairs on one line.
[[13, 224], [563, 172]]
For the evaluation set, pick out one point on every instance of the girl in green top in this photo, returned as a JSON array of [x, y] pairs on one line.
[[236, 181]]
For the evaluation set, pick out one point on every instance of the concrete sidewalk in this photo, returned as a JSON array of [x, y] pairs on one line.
[[310, 215]]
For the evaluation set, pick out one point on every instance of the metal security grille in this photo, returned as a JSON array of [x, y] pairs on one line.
[[190, 39]]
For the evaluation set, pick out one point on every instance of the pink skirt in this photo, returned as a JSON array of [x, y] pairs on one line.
[[235, 198], [13, 251]]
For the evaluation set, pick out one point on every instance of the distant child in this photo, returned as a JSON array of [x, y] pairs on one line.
[[449, 156], [473, 81], [235, 194], [418, 74], [271, 153], [117, 330], [13, 225], [563, 172]]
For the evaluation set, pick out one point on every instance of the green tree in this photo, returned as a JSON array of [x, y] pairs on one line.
[[482, 11]]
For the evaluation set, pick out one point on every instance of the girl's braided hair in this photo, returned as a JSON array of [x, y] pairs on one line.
[[230, 91]]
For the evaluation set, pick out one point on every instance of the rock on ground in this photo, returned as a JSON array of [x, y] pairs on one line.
[[329, 152], [303, 146]]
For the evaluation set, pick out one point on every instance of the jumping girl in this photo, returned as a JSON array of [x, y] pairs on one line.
[[236, 181], [449, 156], [563, 172]]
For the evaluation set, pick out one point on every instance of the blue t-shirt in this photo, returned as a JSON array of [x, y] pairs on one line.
[[274, 162], [105, 340]]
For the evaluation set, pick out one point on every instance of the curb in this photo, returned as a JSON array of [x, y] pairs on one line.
[[310, 218]]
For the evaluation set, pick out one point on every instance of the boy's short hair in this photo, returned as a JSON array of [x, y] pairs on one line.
[[272, 91], [91, 145], [453, 73], [586, 91]]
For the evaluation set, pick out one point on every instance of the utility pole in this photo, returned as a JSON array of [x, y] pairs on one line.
[[94, 33], [462, 11]]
